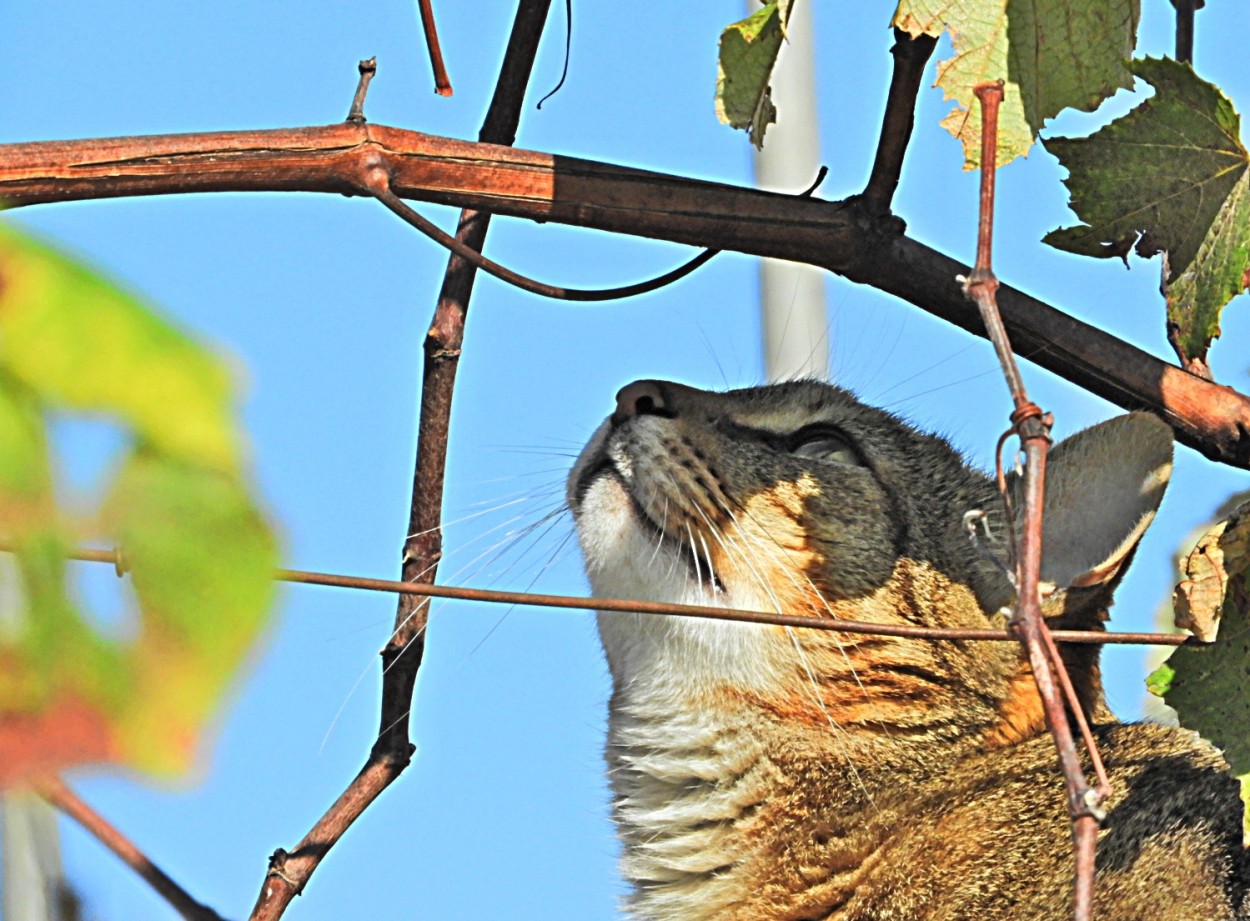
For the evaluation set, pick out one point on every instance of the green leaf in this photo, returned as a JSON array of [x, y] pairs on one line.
[[25, 472], [748, 53], [202, 561], [34, 577], [1050, 55], [59, 681], [1218, 273], [1207, 684], [81, 343], [1170, 177], [1159, 682]]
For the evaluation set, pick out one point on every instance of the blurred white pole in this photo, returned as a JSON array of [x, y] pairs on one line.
[[792, 296], [31, 879]]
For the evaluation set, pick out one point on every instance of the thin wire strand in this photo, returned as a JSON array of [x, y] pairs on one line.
[[116, 559]]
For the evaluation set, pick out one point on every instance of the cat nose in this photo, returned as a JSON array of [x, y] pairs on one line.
[[642, 398]]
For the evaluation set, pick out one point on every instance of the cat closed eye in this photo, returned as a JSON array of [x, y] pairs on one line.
[[825, 445]]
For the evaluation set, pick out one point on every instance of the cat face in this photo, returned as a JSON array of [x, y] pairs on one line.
[[793, 498], [796, 498]]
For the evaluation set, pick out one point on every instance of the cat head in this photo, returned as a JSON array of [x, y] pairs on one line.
[[798, 498]]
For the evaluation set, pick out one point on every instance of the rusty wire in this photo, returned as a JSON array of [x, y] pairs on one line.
[[116, 559]]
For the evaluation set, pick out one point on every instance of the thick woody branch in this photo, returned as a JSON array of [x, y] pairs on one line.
[[838, 236], [339, 158]]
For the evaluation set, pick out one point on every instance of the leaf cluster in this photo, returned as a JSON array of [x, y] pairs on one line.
[[178, 505]]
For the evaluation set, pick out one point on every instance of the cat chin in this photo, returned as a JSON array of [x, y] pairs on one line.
[[651, 654], [660, 656], [626, 557]]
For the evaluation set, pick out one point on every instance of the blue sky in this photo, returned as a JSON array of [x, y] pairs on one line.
[[322, 303]]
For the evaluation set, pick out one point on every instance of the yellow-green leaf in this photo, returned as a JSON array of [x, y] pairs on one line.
[[1050, 55], [202, 561], [58, 680], [203, 555], [25, 474], [748, 52], [81, 343], [36, 607]]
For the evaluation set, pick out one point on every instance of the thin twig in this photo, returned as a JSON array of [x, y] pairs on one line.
[[442, 84], [55, 792], [367, 68], [1034, 430], [911, 631], [382, 191], [392, 750], [380, 187], [1214, 420], [911, 54], [1103, 788], [568, 48]]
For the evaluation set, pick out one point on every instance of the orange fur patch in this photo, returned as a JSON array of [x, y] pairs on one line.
[[1021, 715]]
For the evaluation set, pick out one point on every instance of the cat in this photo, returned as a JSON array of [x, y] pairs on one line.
[[760, 772]]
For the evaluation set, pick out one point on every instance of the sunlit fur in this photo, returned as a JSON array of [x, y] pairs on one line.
[[761, 772]]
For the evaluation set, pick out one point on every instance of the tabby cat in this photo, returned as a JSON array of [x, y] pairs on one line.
[[761, 772]]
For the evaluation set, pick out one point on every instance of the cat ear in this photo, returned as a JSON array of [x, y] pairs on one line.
[[1103, 486]]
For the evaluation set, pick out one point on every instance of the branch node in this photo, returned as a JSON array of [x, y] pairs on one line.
[[375, 173], [277, 870], [1029, 421], [121, 564], [1092, 805]]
